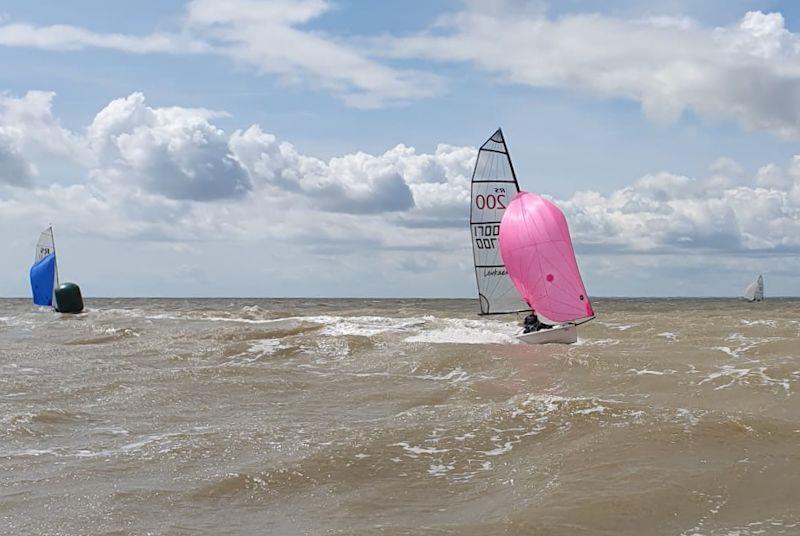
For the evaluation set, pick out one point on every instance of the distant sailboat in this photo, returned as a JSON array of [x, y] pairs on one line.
[[755, 290], [44, 272], [537, 250], [45, 288]]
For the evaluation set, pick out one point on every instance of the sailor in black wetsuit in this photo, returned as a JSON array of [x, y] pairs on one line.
[[532, 323]]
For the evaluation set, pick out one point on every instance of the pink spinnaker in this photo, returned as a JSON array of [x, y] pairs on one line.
[[537, 251]]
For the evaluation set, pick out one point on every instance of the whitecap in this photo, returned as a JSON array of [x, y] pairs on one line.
[[416, 450], [467, 331], [365, 326], [647, 372], [456, 375]]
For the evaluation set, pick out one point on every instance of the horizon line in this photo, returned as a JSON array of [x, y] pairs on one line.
[[386, 298]]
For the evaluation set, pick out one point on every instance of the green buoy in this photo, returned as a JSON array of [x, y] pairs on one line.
[[68, 298]]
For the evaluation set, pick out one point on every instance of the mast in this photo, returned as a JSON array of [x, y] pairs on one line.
[[53, 236]]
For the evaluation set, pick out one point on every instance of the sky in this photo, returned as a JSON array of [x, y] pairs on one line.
[[325, 147]]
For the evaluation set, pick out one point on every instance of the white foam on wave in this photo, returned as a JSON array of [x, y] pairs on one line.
[[744, 344], [617, 326], [456, 375], [597, 342], [425, 329], [245, 316], [467, 331], [671, 337], [233, 319], [164, 442], [27, 453], [265, 347], [365, 326], [588, 411], [19, 320], [505, 447], [440, 469], [743, 376], [414, 450], [647, 372], [768, 323], [258, 349], [124, 332]]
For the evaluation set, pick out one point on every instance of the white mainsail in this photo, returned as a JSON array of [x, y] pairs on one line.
[[494, 185], [755, 290], [44, 247]]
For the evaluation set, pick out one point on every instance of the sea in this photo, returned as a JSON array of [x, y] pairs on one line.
[[398, 417]]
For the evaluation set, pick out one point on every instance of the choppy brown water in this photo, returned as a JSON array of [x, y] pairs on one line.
[[397, 417]]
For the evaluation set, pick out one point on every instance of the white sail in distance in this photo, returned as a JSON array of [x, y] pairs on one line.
[[494, 185], [755, 290], [44, 247]]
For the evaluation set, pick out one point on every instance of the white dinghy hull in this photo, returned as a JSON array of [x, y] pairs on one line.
[[563, 334]]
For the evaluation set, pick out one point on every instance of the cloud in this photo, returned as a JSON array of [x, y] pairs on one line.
[[167, 179], [397, 180], [65, 37], [266, 36], [169, 175], [14, 169], [176, 152], [31, 135], [179, 154], [748, 73], [29, 130], [672, 214]]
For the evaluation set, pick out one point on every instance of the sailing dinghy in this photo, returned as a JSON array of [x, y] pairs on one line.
[[503, 283], [537, 250], [755, 290], [44, 272], [46, 291]]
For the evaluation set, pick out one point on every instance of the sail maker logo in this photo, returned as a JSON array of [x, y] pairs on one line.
[[494, 271]]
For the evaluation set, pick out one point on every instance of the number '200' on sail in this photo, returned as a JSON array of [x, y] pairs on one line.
[[494, 185]]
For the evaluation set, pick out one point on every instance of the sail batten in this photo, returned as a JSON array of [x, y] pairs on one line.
[[494, 184]]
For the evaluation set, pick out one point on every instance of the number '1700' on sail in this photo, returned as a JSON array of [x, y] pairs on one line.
[[494, 185]]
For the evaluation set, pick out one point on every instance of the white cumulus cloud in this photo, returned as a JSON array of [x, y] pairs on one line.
[[748, 72], [169, 175], [268, 37], [174, 151]]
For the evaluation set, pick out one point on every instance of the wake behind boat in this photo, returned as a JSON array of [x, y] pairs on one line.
[[522, 251]]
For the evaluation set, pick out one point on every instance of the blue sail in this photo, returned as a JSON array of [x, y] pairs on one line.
[[43, 276]]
